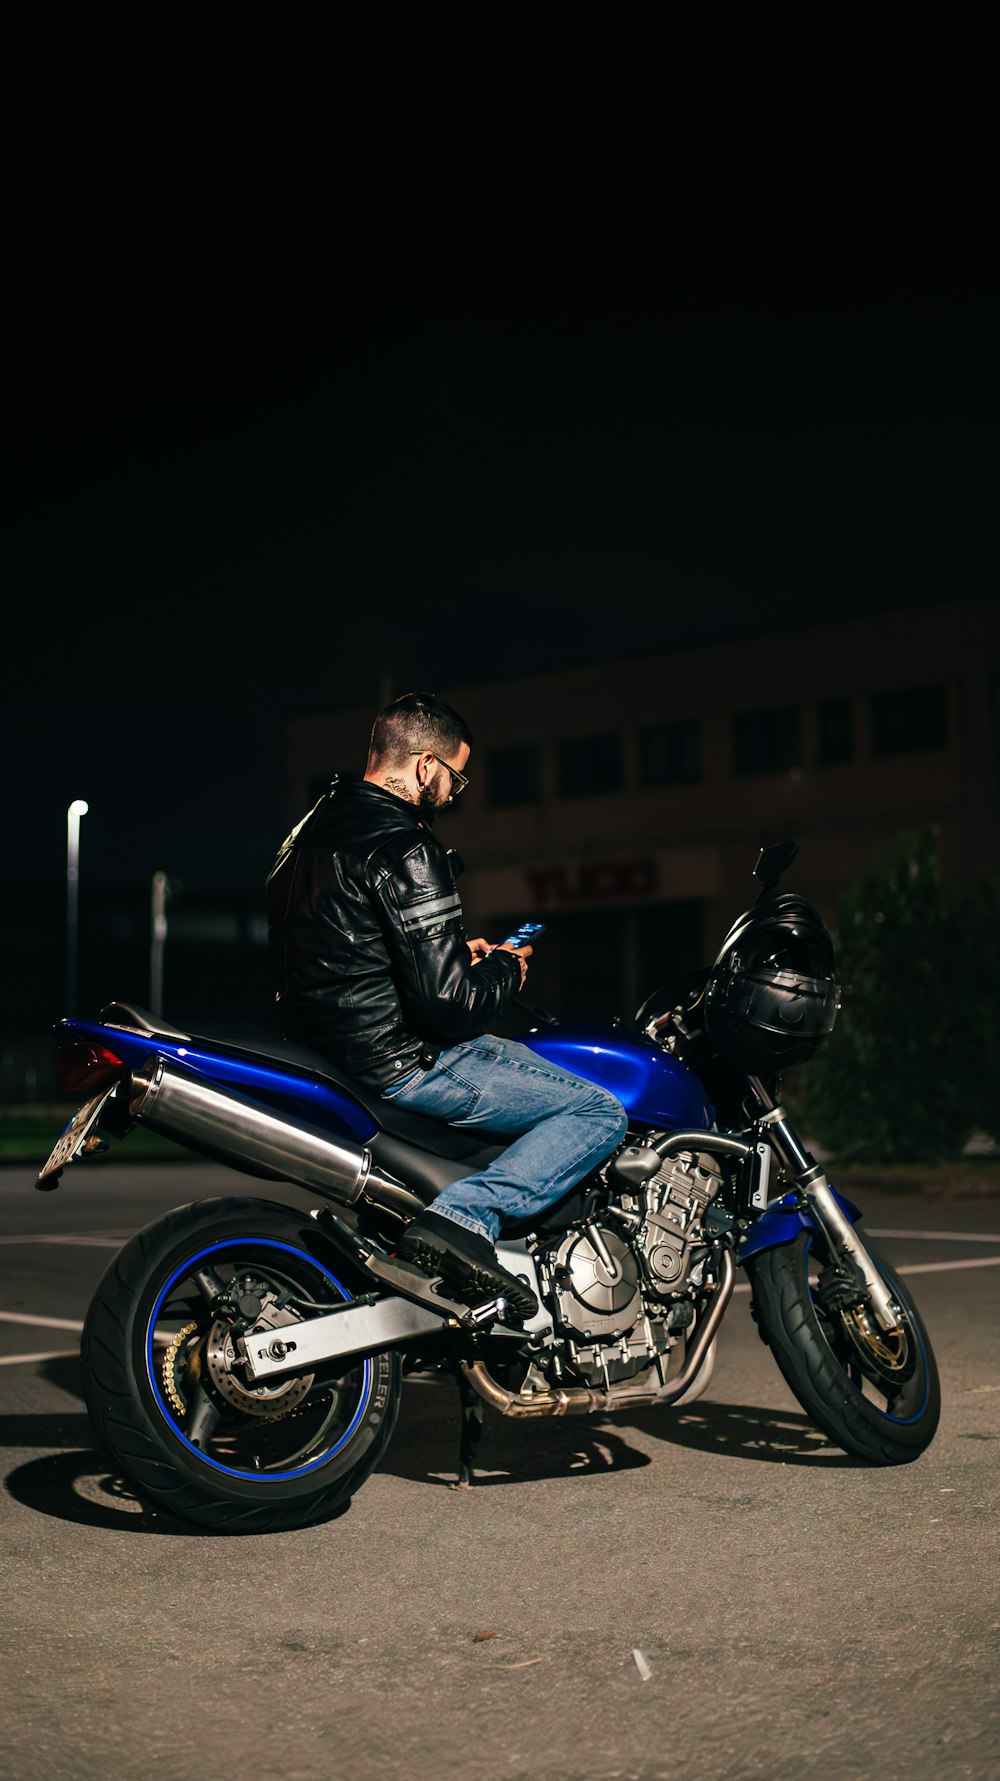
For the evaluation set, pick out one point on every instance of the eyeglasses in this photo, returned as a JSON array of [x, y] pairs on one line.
[[459, 781]]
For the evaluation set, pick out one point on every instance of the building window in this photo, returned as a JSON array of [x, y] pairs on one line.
[[670, 754], [514, 775], [589, 765], [836, 731], [911, 718], [766, 741]]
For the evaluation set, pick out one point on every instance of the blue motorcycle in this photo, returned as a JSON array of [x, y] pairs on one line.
[[243, 1360]]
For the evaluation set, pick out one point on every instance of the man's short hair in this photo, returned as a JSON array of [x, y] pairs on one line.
[[415, 722]]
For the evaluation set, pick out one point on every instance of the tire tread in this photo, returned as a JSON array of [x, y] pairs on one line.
[[813, 1374], [122, 1414]]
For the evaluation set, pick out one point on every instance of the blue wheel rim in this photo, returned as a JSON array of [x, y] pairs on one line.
[[264, 1478]]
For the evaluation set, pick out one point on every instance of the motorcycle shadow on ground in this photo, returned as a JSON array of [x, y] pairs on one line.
[[745, 1431], [75, 1484], [424, 1448]]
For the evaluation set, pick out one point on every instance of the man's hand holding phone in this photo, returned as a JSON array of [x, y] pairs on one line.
[[524, 935], [519, 942]]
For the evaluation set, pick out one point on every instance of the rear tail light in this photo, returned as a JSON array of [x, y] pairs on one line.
[[89, 1067]]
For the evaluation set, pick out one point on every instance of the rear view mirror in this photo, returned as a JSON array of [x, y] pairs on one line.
[[772, 861]]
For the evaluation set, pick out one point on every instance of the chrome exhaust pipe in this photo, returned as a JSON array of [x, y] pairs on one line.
[[228, 1125]]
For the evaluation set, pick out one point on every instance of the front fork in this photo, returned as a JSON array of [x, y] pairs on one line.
[[815, 1189]]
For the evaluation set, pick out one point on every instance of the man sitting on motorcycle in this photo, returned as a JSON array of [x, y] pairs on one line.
[[374, 970]]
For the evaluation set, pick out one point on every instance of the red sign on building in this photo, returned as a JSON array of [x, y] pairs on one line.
[[592, 881]]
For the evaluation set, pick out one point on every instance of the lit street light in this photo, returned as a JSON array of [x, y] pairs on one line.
[[77, 809], [159, 935]]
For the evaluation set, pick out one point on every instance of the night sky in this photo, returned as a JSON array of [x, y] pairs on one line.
[[451, 356]]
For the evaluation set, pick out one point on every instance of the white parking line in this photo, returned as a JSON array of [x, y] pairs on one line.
[[20, 1360], [62, 1323], [90, 1242], [910, 1236], [939, 1236], [44, 1323], [977, 1261]]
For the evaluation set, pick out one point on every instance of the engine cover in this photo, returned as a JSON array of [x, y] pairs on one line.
[[671, 1206], [590, 1299]]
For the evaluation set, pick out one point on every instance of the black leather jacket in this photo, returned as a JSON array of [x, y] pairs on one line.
[[367, 944]]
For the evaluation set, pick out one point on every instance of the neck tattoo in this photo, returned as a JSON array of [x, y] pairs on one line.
[[400, 787]]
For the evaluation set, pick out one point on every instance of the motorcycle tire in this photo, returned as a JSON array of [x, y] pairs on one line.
[[167, 1397], [875, 1396]]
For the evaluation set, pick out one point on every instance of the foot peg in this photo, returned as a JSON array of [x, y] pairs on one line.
[[409, 1281], [491, 1312], [412, 1283]]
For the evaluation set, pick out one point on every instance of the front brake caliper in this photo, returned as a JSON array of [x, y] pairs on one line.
[[841, 1285]]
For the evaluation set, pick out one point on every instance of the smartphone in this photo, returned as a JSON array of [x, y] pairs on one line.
[[525, 934]]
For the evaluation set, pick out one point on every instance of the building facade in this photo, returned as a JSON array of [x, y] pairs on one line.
[[624, 804]]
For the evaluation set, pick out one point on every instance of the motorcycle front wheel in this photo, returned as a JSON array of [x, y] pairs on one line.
[[168, 1394], [875, 1395]]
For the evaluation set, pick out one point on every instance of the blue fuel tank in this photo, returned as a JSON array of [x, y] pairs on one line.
[[653, 1087]]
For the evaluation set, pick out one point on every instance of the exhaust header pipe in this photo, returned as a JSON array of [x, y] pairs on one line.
[[225, 1124]]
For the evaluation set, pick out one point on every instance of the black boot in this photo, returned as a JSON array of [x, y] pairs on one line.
[[440, 1246]]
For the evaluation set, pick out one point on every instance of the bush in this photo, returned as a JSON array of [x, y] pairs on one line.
[[911, 1068]]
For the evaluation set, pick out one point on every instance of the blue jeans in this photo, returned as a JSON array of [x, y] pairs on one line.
[[563, 1127]]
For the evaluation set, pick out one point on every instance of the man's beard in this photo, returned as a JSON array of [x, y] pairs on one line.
[[430, 809]]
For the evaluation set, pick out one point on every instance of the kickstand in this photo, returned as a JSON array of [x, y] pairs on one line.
[[473, 1411]]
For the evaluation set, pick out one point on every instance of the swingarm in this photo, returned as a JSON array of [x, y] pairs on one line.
[[416, 1307], [364, 1325]]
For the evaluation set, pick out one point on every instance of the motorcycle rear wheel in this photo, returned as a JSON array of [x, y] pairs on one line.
[[169, 1401], [877, 1397]]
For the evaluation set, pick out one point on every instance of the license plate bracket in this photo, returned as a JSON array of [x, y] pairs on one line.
[[69, 1146]]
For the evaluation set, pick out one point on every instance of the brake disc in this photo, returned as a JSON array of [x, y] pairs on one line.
[[271, 1399], [888, 1353]]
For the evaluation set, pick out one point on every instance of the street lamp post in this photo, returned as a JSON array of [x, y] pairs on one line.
[[159, 935], [77, 809]]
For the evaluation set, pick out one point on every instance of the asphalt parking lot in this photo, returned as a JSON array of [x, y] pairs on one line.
[[710, 1591]]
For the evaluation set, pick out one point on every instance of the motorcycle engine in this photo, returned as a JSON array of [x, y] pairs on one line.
[[593, 1288], [670, 1209], [621, 1288], [595, 1295]]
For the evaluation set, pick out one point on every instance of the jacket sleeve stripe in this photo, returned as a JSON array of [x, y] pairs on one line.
[[429, 914]]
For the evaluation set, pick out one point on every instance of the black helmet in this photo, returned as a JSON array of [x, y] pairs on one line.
[[772, 994]]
